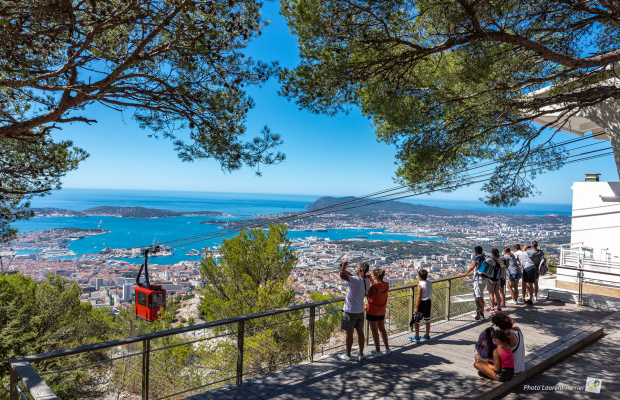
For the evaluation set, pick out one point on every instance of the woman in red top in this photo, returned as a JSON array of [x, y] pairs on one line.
[[503, 367], [375, 311]]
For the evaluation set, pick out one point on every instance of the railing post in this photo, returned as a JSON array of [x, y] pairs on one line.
[[13, 395], [146, 349], [240, 335], [448, 289], [580, 272], [411, 304], [311, 334], [366, 329]]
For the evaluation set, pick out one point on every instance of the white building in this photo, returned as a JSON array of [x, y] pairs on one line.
[[127, 292]]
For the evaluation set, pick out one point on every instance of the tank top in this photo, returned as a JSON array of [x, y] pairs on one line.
[[518, 352], [427, 289], [378, 301], [506, 359]]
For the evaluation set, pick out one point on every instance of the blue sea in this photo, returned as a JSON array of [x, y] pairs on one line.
[[125, 233]]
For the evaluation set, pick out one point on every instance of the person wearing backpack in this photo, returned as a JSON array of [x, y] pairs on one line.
[[479, 283], [494, 282], [538, 258]]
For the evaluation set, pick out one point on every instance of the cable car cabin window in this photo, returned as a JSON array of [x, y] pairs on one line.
[[157, 300], [142, 299]]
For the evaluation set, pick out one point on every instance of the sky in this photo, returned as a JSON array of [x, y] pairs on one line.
[[337, 156]]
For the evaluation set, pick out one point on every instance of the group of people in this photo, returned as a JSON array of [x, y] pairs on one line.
[[507, 354], [516, 265], [373, 287]]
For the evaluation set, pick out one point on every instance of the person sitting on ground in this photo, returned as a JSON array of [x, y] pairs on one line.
[[480, 282], [536, 255], [514, 275], [423, 305], [502, 369], [529, 272], [493, 285], [375, 311], [516, 340], [353, 311]]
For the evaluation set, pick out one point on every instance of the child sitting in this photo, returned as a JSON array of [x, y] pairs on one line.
[[502, 369], [423, 305]]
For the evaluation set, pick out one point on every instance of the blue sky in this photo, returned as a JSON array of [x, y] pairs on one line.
[[325, 155]]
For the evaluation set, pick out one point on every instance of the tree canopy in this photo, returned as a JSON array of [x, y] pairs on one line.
[[176, 65], [451, 82]]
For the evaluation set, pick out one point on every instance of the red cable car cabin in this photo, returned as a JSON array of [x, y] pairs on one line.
[[150, 299], [149, 302]]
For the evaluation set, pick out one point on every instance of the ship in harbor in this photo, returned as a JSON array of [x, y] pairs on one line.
[[193, 252]]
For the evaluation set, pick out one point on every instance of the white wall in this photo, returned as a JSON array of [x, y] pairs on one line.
[[597, 223]]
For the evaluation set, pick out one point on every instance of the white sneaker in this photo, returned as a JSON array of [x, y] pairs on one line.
[[344, 357], [387, 352], [375, 353], [360, 356], [535, 298], [512, 302]]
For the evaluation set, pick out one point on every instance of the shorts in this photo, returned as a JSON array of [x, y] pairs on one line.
[[479, 285], [373, 318], [425, 309], [529, 275], [492, 286], [505, 374], [352, 321], [515, 277], [502, 283]]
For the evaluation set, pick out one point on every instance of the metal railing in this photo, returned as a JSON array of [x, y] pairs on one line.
[[226, 343], [579, 272]]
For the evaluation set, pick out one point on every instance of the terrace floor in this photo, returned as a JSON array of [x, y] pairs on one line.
[[433, 369]]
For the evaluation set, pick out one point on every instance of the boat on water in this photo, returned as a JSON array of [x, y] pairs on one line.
[[361, 237], [193, 252]]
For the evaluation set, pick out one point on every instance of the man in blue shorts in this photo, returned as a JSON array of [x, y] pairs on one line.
[[529, 272]]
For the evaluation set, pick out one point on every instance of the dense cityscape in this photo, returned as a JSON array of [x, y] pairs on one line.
[[107, 278]]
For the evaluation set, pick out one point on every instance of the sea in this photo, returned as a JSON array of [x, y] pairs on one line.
[[128, 233]]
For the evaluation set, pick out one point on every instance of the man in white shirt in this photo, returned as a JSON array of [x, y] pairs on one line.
[[529, 272], [353, 311]]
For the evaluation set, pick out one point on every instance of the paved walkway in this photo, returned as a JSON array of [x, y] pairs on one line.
[[600, 359], [430, 370]]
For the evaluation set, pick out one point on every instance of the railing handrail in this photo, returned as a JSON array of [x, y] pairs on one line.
[[206, 325]]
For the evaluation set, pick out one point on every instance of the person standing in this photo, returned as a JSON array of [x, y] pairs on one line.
[[529, 272], [480, 282], [423, 305], [353, 311], [375, 311], [494, 283], [514, 275], [536, 255]]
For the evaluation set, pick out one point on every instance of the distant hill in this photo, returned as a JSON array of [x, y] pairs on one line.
[[387, 207], [121, 212]]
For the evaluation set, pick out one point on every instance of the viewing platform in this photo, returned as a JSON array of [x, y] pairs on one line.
[[226, 359], [436, 369]]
